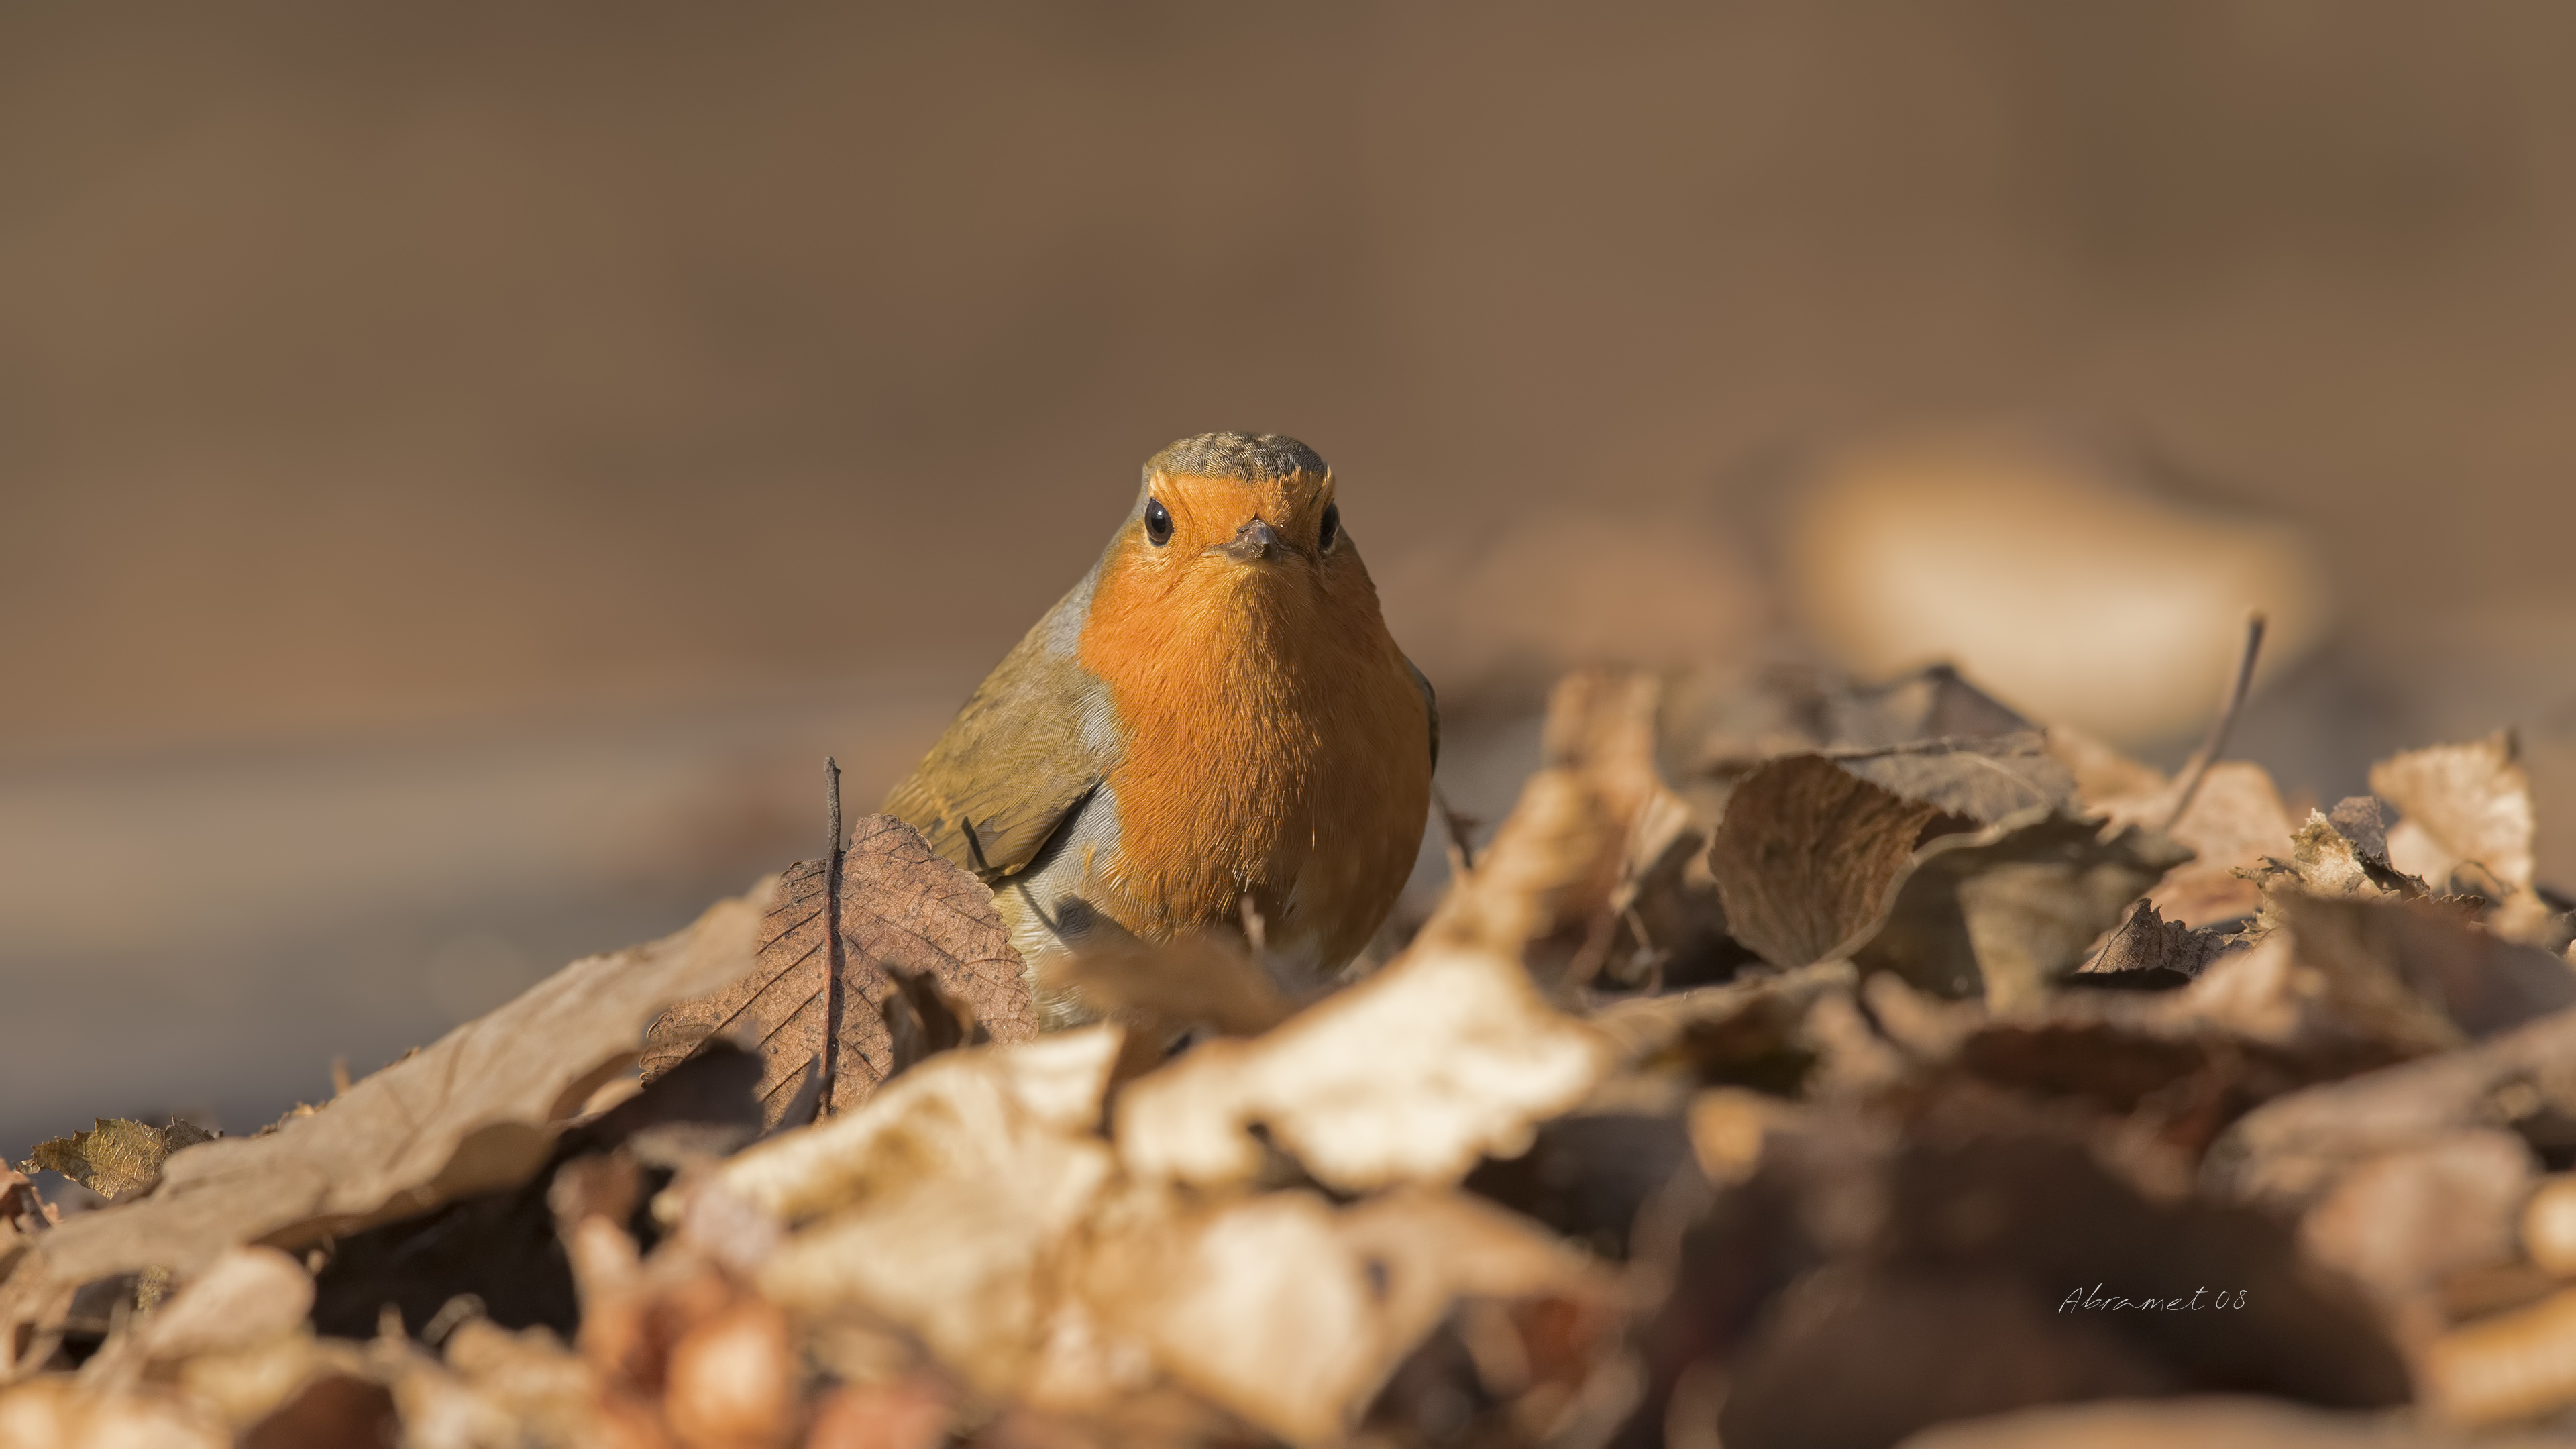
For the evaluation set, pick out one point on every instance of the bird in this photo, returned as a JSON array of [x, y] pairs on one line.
[[1212, 733]]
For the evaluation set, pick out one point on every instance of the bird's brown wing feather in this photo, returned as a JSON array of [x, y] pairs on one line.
[[1014, 764], [1430, 706]]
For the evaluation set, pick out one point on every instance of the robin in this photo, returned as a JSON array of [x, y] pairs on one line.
[[1213, 723]]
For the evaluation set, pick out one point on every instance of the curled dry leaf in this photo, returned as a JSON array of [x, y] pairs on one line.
[[815, 999], [479, 1110], [1445, 1056], [2008, 911], [2477, 983], [936, 1204], [2401, 1221], [2145, 942], [1984, 778], [1291, 1312], [52, 1412], [2290, 1149], [2460, 803], [1547, 887], [116, 1158], [242, 1299], [1809, 856], [2233, 822], [2511, 1367]]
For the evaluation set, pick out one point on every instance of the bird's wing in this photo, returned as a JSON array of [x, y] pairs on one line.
[[1015, 762], [1430, 706]]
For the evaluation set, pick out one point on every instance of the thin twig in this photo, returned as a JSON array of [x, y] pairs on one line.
[[832, 1005], [2226, 721]]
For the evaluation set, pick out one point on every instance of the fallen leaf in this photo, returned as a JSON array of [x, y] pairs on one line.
[[2474, 982], [477, 1111], [242, 1299], [115, 1158], [2233, 821], [2460, 803], [2146, 942], [1548, 888], [1291, 1312], [2291, 1149], [2401, 1221], [2514, 1366], [1984, 778], [2008, 911], [1809, 857], [1444, 1056], [937, 1202], [814, 999]]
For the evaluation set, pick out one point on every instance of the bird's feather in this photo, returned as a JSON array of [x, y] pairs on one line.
[[1018, 759]]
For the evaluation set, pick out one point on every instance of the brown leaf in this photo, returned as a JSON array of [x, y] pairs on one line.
[[2008, 911], [2290, 1149], [1292, 1312], [475, 1112], [2476, 982], [1410, 1076], [936, 1203], [1984, 778], [904, 912], [2146, 942], [2398, 1222], [116, 1158], [1549, 887], [1809, 856], [2461, 803]]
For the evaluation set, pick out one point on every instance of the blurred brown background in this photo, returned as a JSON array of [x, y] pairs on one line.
[[461, 467]]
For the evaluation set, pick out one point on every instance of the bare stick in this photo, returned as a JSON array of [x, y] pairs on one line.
[[832, 1006], [2226, 721]]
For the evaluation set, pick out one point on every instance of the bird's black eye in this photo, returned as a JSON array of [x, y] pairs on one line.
[[1332, 527], [1158, 523]]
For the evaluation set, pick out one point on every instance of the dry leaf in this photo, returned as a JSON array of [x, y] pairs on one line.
[[2008, 911], [116, 1158], [936, 1203], [2234, 821], [903, 912], [2401, 1221], [2460, 803], [1445, 1056], [2291, 1149], [55, 1413], [1199, 981], [2146, 942], [1809, 856], [242, 1299], [479, 1110], [1984, 778], [1291, 1312], [1548, 888], [2477, 983], [2514, 1366]]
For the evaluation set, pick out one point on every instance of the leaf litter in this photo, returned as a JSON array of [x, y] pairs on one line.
[[1800, 1063]]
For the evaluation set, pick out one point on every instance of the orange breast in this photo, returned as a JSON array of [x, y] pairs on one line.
[[1275, 746]]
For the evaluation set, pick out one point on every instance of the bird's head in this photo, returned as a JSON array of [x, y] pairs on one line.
[[1223, 511]]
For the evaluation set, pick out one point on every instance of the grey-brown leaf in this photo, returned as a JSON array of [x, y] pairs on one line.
[[904, 912]]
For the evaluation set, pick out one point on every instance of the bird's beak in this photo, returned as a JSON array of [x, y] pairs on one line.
[[1254, 541]]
